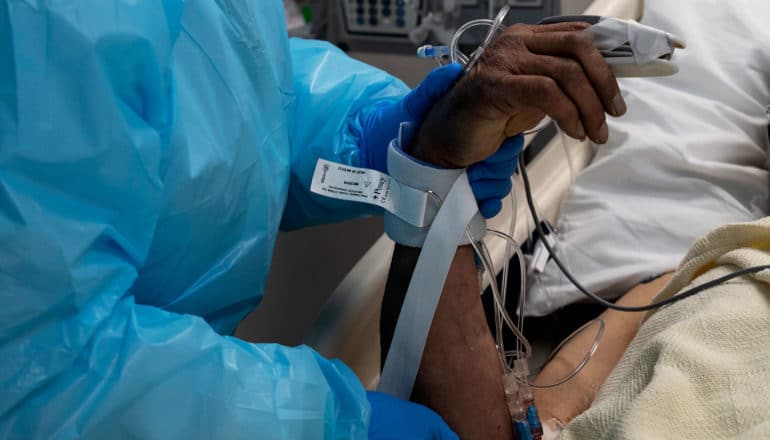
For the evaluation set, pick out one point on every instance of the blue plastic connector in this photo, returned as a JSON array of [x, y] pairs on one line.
[[534, 421], [429, 51], [523, 431]]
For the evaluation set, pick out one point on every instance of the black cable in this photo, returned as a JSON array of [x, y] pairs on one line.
[[686, 294]]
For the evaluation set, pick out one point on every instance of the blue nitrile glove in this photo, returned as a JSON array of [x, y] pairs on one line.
[[383, 119], [491, 179], [396, 419]]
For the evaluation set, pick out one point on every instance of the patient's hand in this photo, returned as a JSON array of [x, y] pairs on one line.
[[526, 73]]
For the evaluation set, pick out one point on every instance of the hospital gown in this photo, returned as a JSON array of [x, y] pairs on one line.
[[149, 154]]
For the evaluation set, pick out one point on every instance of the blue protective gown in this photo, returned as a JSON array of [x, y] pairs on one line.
[[149, 153]]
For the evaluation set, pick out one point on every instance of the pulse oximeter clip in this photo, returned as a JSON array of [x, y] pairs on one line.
[[630, 48]]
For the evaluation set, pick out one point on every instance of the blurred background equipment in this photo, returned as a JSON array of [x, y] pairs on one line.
[[399, 26]]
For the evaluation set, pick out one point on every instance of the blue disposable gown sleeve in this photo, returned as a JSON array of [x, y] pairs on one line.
[[84, 116], [334, 94]]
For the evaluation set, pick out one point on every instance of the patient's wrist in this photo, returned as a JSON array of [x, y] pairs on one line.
[[429, 187], [430, 154]]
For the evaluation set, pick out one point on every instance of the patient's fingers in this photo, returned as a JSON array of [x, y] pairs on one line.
[[559, 27], [571, 77], [545, 94], [579, 46]]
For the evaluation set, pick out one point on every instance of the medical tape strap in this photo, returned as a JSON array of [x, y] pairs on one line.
[[422, 296], [647, 43], [424, 177]]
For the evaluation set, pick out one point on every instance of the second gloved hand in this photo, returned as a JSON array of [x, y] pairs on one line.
[[396, 419], [490, 179]]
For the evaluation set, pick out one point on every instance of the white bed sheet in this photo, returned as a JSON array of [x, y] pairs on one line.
[[690, 155]]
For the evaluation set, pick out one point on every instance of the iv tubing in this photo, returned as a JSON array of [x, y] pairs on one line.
[[499, 295], [583, 363], [678, 297], [496, 293], [483, 252]]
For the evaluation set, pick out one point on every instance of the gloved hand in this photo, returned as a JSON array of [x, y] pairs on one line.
[[395, 419], [490, 179], [384, 118]]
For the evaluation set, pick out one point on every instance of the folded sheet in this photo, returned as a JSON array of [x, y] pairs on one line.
[[699, 368]]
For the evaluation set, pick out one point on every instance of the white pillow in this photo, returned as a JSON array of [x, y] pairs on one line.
[[690, 155]]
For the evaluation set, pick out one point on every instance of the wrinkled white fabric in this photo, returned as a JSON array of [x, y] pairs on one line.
[[690, 155]]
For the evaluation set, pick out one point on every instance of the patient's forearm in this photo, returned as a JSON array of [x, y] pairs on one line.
[[460, 376], [567, 401]]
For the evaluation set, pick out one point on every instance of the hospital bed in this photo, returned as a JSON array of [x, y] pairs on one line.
[[348, 326]]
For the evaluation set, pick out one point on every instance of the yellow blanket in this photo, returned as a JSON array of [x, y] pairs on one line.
[[700, 368]]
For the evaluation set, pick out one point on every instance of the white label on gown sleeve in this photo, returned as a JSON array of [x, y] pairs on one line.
[[355, 184]]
